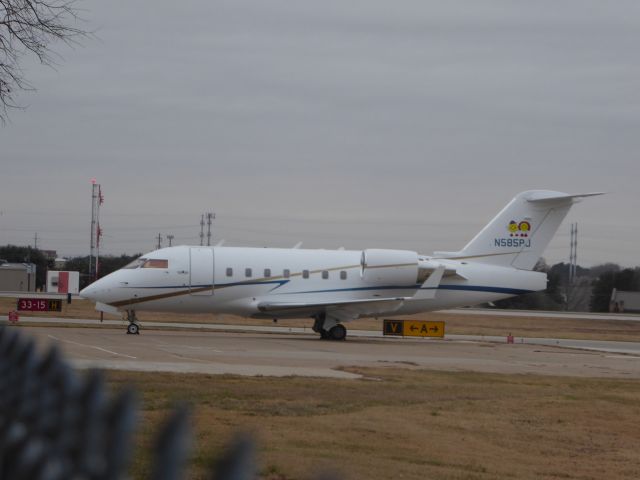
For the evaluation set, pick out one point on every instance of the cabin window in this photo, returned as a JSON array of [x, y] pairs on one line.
[[156, 263], [305, 273], [267, 272], [343, 274], [286, 273], [229, 272], [247, 272], [325, 274]]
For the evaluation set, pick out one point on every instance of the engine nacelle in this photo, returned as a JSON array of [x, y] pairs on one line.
[[389, 267]]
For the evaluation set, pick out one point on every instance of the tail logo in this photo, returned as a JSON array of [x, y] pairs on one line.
[[519, 235], [519, 229]]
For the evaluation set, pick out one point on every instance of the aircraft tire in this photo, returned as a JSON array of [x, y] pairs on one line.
[[338, 332], [133, 329]]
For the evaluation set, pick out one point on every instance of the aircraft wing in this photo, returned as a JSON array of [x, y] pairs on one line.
[[350, 309], [347, 310], [429, 288]]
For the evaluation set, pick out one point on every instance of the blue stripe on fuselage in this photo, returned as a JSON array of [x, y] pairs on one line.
[[470, 288], [480, 288]]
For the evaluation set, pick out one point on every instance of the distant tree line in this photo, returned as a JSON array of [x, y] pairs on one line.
[[594, 285], [106, 265], [18, 254], [627, 279]]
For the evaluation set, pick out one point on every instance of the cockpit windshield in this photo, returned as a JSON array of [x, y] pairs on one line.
[[148, 263], [137, 263], [156, 263]]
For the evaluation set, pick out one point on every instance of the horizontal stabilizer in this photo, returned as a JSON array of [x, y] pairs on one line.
[[543, 197]]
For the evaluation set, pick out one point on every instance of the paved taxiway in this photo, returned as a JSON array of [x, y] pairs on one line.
[[631, 348], [278, 354]]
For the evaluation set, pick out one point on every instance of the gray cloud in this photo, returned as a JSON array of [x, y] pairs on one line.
[[405, 125]]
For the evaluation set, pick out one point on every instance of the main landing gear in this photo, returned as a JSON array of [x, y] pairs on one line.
[[329, 328], [133, 328]]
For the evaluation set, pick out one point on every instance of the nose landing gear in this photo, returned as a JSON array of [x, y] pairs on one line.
[[133, 328]]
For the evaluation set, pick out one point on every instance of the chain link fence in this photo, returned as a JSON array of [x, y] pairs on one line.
[[57, 425]]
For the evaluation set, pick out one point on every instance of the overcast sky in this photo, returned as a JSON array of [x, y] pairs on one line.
[[405, 124]]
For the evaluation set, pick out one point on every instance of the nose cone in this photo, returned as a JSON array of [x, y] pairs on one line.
[[90, 292], [104, 290], [111, 289]]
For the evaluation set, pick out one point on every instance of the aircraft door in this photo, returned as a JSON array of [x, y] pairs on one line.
[[201, 271]]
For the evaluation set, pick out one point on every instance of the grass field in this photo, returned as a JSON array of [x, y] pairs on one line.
[[456, 323], [406, 424]]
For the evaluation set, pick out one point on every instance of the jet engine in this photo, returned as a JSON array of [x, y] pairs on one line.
[[389, 267]]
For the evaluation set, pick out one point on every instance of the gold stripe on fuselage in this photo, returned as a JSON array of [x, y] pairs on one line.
[[189, 291]]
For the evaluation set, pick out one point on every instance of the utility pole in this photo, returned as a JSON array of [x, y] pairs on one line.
[[210, 217], [35, 241], [170, 238], [159, 241], [94, 254], [202, 230], [573, 255]]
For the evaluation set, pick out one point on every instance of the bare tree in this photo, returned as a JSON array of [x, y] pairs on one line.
[[29, 27]]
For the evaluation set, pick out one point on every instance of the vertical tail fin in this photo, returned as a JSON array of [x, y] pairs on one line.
[[518, 235]]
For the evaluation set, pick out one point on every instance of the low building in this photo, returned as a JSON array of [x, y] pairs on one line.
[[63, 282], [18, 277], [622, 301]]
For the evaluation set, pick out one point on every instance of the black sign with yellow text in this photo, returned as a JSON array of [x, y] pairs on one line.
[[413, 328]]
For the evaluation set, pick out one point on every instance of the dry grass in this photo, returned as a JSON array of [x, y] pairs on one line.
[[587, 329], [456, 323], [407, 424]]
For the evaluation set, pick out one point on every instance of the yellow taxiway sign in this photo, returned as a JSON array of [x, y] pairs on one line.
[[413, 328]]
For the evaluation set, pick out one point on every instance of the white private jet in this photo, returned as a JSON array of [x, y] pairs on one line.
[[337, 286]]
